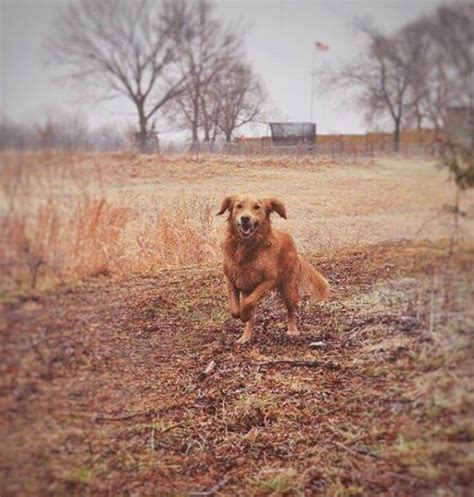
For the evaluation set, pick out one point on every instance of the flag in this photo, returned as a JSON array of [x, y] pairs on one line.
[[322, 46]]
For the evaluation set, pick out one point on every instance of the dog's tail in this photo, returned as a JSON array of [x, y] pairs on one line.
[[312, 282]]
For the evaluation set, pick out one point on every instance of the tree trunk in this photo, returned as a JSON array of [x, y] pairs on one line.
[[142, 137], [194, 132], [205, 124], [214, 132], [419, 121], [195, 121], [396, 136]]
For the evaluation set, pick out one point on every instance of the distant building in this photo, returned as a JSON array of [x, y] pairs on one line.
[[293, 133], [460, 125]]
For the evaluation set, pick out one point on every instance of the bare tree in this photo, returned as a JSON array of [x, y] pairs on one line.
[[444, 75], [15, 136], [109, 137], [239, 99], [211, 108], [122, 48], [381, 77], [205, 48], [61, 130]]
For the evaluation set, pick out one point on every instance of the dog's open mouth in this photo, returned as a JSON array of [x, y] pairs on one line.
[[247, 230]]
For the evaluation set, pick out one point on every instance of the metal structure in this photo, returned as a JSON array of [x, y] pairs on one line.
[[460, 125], [293, 133]]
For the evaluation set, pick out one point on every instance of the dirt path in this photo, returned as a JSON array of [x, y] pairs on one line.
[[103, 391]]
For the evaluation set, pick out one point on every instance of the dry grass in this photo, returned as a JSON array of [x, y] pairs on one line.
[[69, 216], [65, 217], [60, 243], [60, 224]]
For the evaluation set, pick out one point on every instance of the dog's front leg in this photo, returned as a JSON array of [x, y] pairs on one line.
[[250, 301], [248, 330], [233, 296]]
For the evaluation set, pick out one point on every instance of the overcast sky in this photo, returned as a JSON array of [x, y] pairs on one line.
[[280, 44]]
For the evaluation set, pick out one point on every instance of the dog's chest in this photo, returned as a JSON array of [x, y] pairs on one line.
[[245, 274]]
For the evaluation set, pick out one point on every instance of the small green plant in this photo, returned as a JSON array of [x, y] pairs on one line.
[[78, 475], [279, 484], [340, 490]]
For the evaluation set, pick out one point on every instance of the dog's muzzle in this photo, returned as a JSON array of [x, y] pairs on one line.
[[246, 226]]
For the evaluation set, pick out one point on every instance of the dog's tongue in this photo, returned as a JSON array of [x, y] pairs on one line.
[[246, 228]]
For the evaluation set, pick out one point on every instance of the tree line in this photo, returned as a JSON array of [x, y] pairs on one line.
[[68, 131], [175, 57], [179, 60], [412, 77]]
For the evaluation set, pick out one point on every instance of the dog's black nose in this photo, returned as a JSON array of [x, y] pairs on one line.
[[245, 220]]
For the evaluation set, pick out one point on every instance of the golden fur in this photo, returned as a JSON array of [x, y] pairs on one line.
[[259, 258]]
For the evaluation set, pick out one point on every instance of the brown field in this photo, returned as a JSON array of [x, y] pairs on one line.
[[125, 213], [112, 306]]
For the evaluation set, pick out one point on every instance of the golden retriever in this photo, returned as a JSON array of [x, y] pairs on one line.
[[259, 258]]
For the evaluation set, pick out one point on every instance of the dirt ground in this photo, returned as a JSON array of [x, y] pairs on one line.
[[103, 390]]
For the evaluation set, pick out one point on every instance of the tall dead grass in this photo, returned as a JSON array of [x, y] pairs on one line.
[[62, 243], [50, 238]]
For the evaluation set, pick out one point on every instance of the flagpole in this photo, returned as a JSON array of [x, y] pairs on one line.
[[322, 47], [313, 62]]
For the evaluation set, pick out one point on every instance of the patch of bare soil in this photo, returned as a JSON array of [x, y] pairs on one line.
[[105, 390]]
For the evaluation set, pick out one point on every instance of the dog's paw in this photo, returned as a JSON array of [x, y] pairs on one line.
[[235, 312], [293, 332]]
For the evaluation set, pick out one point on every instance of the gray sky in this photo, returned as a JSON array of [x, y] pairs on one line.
[[280, 44]]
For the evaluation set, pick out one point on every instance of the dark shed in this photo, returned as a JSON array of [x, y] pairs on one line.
[[293, 133]]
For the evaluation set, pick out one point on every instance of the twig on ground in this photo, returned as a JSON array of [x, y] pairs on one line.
[[331, 411], [432, 297], [208, 493], [125, 417], [308, 363], [209, 369], [401, 477], [439, 213], [356, 451], [152, 440], [171, 427]]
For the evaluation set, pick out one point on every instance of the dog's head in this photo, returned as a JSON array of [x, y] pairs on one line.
[[249, 215]]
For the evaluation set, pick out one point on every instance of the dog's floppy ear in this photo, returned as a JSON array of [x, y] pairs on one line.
[[227, 204], [276, 205]]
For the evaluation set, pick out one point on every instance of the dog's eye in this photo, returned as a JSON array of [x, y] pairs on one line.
[[239, 206], [256, 207]]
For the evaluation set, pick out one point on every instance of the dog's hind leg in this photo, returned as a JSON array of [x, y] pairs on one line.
[[292, 328], [291, 297]]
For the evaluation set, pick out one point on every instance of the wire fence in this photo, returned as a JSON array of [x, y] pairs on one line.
[[329, 151], [343, 148]]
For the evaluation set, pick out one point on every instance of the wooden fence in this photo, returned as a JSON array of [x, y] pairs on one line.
[[411, 142]]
